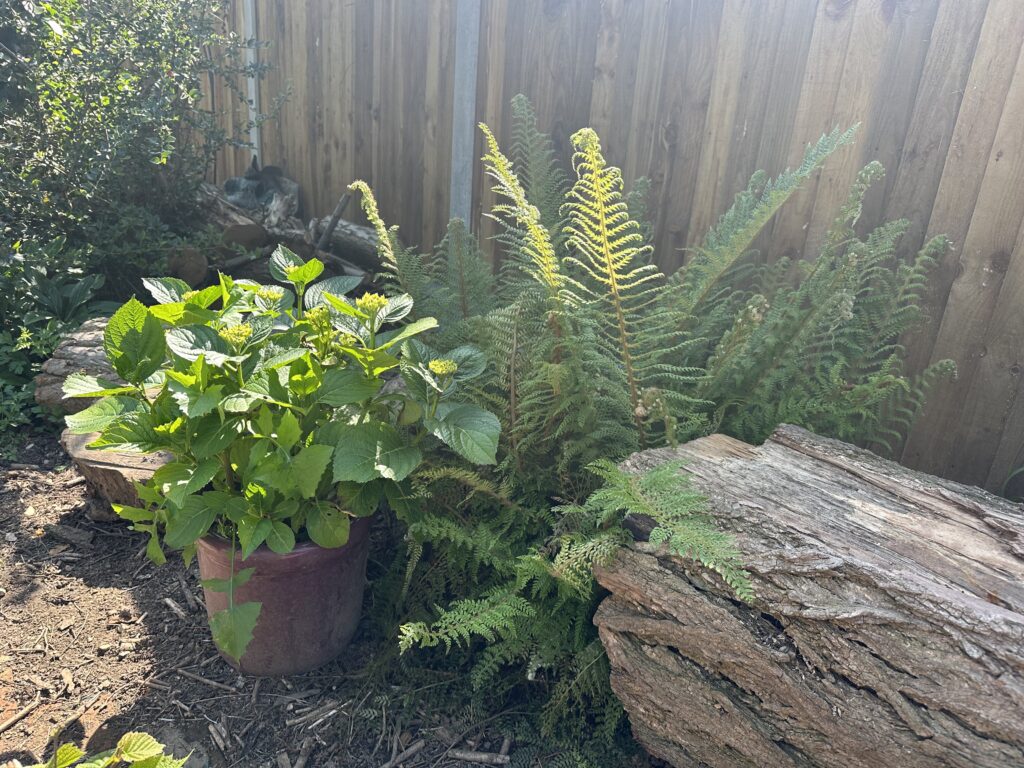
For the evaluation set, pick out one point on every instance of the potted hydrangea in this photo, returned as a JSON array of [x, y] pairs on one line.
[[284, 440]]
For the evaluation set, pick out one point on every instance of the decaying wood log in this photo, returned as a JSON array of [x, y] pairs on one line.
[[79, 352], [348, 241], [111, 475], [238, 227], [888, 628]]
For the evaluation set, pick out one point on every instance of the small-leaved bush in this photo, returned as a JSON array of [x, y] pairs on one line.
[[276, 406], [104, 131]]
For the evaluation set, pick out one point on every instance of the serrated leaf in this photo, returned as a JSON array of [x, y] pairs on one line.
[[281, 260], [136, 745], [344, 306], [133, 431], [193, 402], [182, 313], [288, 430], [281, 538], [166, 290], [252, 531], [239, 402], [190, 342], [240, 579], [180, 480], [281, 359], [308, 467], [100, 414], [344, 386], [306, 274], [338, 286], [189, 522], [100, 760], [328, 527], [232, 628], [210, 436], [375, 361], [408, 331], [134, 342], [470, 360], [83, 385], [396, 309], [366, 452], [65, 756], [469, 430]]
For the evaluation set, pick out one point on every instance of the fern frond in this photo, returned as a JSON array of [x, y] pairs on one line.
[[535, 243], [731, 237]]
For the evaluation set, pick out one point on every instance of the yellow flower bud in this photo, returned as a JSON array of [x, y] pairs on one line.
[[371, 303], [443, 367], [270, 293], [236, 335]]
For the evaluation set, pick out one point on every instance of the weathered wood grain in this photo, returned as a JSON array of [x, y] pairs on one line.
[[888, 627], [696, 95]]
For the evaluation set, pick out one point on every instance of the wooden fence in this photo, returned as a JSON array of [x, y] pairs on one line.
[[696, 95]]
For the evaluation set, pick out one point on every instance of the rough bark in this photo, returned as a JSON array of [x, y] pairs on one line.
[[111, 475], [349, 242], [888, 628], [79, 352]]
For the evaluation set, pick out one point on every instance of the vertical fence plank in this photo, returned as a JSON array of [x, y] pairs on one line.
[[697, 95]]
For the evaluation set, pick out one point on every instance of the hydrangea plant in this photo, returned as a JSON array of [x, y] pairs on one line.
[[286, 411]]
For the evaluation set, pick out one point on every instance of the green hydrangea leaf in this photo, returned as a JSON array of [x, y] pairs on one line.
[[98, 415], [344, 386], [281, 260], [232, 628], [136, 745], [366, 452], [328, 527], [469, 430], [280, 538], [308, 467]]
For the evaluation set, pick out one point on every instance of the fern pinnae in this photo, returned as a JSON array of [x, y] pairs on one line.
[[608, 245], [545, 266]]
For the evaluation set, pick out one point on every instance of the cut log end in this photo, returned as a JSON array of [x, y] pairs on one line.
[[888, 627], [111, 474]]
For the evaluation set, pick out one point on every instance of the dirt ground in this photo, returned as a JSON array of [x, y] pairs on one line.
[[95, 640]]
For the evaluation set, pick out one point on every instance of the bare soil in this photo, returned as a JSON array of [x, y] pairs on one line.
[[95, 641]]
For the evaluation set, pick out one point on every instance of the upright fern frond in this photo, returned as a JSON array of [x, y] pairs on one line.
[[542, 262], [607, 243], [616, 280], [468, 278], [731, 237], [403, 270], [534, 161]]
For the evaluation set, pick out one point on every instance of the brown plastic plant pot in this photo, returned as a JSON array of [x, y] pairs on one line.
[[312, 599]]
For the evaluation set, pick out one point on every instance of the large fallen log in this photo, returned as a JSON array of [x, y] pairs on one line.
[[888, 627]]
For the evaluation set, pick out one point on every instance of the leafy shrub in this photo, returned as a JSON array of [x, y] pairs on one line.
[[134, 748], [37, 307], [272, 403], [104, 137]]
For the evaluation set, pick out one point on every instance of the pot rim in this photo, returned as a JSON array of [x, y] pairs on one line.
[[220, 544]]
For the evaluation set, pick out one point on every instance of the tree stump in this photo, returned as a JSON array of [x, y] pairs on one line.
[[888, 627], [111, 475], [79, 352]]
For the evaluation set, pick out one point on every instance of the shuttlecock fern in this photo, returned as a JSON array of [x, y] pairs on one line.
[[592, 353]]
